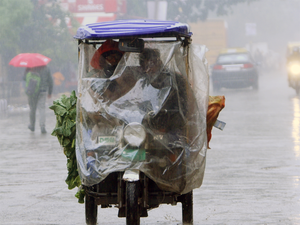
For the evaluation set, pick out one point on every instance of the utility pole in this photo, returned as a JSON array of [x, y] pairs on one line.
[[156, 9]]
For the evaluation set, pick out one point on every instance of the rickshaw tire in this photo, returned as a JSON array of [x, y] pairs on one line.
[[132, 206], [187, 208], [91, 210]]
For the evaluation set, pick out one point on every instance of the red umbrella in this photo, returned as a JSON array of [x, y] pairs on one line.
[[29, 60]]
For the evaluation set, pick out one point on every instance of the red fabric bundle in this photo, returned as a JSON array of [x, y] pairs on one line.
[[215, 105]]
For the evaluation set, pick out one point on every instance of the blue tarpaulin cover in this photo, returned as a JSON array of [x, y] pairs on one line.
[[126, 28]]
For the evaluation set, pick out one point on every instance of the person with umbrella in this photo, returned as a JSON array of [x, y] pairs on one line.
[[36, 64]]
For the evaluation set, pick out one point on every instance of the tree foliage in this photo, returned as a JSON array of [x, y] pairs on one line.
[[194, 10], [187, 10], [136, 9], [14, 15], [32, 26]]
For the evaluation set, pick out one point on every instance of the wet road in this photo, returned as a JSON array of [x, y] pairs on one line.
[[252, 174]]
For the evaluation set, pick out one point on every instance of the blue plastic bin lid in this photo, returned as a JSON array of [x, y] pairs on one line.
[[127, 28]]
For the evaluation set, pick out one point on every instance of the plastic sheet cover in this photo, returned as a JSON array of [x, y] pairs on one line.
[[149, 115]]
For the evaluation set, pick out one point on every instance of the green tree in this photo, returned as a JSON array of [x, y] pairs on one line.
[[48, 33], [34, 26], [186, 10], [136, 9], [194, 10], [14, 14]]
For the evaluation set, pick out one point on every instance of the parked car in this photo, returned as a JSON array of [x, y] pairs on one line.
[[234, 68]]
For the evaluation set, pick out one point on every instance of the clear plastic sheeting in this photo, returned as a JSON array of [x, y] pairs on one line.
[[150, 115]]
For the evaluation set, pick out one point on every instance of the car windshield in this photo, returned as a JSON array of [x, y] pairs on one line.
[[233, 58]]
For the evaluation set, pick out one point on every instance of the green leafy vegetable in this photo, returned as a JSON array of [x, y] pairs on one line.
[[65, 130]]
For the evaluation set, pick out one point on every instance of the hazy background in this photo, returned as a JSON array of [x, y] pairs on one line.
[[277, 23], [48, 27]]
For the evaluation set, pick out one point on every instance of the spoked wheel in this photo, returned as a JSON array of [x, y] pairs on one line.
[[187, 208], [132, 206], [91, 209]]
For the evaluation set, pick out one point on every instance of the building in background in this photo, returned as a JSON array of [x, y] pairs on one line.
[[93, 11], [213, 34]]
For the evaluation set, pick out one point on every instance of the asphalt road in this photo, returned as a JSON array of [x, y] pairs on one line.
[[252, 174]]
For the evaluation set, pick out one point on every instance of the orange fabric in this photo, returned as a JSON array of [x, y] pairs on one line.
[[108, 45], [215, 105]]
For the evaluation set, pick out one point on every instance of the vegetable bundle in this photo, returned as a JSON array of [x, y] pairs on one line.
[[65, 130]]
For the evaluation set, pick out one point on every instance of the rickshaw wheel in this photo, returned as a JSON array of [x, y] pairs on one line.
[[132, 206], [91, 209], [187, 208]]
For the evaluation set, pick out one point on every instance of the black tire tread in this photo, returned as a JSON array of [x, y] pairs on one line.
[[91, 210], [132, 207], [187, 208]]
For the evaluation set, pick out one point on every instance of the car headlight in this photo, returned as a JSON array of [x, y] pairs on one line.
[[294, 68], [134, 134]]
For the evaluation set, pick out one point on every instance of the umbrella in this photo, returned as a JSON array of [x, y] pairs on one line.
[[29, 60]]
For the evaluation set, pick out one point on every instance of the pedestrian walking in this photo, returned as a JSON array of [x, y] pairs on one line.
[[39, 84]]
